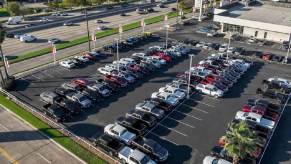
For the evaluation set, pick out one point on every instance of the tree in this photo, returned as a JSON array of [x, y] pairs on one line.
[[14, 8], [98, 2], [69, 3], [181, 4], [240, 141]]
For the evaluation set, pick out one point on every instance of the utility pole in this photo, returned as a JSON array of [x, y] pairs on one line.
[[200, 12], [177, 19], [167, 34], [117, 53], [288, 50], [189, 76], [88, 33], [229, 33]]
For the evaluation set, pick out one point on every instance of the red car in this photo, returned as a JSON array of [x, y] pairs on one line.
[[255, 109], [163, 56], [81, 82], [266, 56], [134, 68], [118, 80], [90, 56]]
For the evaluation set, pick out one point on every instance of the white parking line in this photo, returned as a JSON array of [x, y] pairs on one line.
[[48, 161], [185, 135], [201, 102], [171, 118], [36, 77], [198, 109], [164, 138], [189, 115]]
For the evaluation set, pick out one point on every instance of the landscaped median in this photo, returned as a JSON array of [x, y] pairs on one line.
[[99, 35], [54, 134]]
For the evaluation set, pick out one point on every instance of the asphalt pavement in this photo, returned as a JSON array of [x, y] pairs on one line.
[[191, 130]]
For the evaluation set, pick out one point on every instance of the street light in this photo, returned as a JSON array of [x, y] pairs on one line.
[[288, 50], [229, 33], [189, 76], [88, 33], [200, 12], [167, 34], [117, 53]]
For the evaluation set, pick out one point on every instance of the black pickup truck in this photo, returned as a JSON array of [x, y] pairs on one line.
[[132, 125], [110, 145], [55, 112]]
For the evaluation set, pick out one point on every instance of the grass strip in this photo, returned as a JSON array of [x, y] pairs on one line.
[[99, 35], [66, 142]]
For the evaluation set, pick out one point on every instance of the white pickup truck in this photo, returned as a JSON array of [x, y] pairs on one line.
[[134, 156]]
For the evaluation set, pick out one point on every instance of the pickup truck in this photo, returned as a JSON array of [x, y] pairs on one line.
[[109, 144], [119, 132], [151, 148], [134, 156], [79, 98], [144, 117], [133, 125], [55, 112]]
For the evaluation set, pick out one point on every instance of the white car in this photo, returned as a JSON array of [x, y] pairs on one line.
[[27, 38], [214, 160], [67, 63], [106, 71], [119, 132], [82, 58], [139, 54], [209, 90], [161, 61], [167, 97], [176, 92], [281, 81], [223, 48], [128, 60], [257, 118]]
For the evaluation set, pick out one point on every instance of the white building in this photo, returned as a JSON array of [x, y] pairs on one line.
[[259, 21]]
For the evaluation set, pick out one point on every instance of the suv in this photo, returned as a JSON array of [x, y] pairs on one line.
[[79, 98], [71, 86], [132, 125], [144, 117]]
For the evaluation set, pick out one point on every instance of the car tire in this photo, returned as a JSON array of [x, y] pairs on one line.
[[216, 96]]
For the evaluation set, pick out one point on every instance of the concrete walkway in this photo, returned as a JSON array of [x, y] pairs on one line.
[[20, 143]]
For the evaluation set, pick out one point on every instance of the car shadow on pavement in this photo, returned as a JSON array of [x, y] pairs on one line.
[[242, 83], [89, 131], [280, 145]]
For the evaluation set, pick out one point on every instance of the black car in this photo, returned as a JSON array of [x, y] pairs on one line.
[[9, 35], [122, 14], [55, 112], [277, 58], [160, 104], [132, 125], [92, 95], [71, 106], [62, 91], [109, 144], [146, 118]]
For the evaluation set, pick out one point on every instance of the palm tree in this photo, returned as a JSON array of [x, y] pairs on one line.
[[240, 141]]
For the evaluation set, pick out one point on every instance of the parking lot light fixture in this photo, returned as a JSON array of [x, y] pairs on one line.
[[167, 34], [200, 12], [117, 53], [288, 51], [189, 76], [88, 33], [229, 33]]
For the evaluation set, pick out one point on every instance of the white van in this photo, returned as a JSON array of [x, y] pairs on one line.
[[27, 38], [14, 20]]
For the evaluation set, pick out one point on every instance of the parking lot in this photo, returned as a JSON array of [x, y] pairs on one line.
[[188, 132]]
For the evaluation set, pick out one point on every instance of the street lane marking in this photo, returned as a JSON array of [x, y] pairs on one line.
[[185, 135], [201, 102], [164, 138], [189, 115], [48, 161], [171, 118], [7, 156], [198, 109]]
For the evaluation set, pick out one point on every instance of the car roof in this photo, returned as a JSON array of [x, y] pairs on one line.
[[164, 94], [118, 128], [138, 155], [49, 93]]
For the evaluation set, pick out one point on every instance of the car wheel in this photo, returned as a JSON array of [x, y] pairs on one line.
[[110, 154], [216, 96], [123, 161]]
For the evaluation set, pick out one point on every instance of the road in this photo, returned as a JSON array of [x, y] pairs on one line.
[[20, 143], [13, 47]]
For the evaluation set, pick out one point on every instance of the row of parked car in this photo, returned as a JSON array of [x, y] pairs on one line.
[[214, 75], [260, 115], [123, 139]]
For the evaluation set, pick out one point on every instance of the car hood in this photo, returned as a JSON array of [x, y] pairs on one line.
[[179, 94], [173, 100], [86, 103], [158, 111], [128, 136]]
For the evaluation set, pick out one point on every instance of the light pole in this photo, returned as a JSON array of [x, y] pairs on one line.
[[177, 4], [167, 34], [229, 33], [117, 53], [288, 50], [88, 33], [200, 12], [189, 76]]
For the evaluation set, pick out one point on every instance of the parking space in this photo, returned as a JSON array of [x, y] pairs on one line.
[[188, 132]]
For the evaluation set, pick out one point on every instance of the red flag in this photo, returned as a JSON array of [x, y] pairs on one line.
[[93, 37], [166, 18], [120, 29], [6, 62], [54, 49]]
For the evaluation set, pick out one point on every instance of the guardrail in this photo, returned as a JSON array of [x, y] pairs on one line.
[[83, 142]]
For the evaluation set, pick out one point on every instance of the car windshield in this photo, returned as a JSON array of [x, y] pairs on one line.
[[83, 98], [145, 160]]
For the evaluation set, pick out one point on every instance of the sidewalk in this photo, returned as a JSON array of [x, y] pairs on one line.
[[20, 143]]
